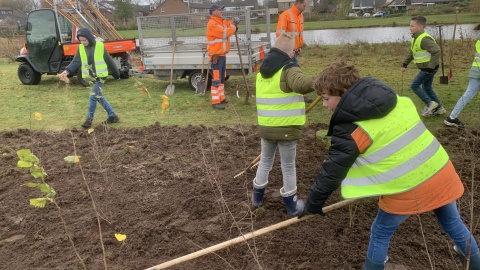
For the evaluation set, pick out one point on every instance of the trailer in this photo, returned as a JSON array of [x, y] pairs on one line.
[[177, 44]]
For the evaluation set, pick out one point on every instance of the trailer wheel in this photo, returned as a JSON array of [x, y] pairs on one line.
[[28, 75], [80, 79], [195, 77]]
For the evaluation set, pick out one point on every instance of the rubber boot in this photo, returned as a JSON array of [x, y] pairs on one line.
[[369, 265], [257, 196], [294, 206], [474, 259]]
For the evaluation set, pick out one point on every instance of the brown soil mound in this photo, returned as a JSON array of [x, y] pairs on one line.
[[171, 191]]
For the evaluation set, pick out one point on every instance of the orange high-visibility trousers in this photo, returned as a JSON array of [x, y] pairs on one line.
[[218, 79]]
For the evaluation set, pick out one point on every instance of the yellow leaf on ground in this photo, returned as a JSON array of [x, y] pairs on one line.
[[38, 116], [120, 237], [165, 102], [72, 159]]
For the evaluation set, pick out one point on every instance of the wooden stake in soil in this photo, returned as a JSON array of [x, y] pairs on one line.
[[245, 237], [450, 72]]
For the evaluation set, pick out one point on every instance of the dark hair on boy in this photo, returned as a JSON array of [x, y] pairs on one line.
[[420, 20], [336, 79]]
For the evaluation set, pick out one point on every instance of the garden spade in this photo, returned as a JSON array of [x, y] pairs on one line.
[[243, 71], [204, 88], [245, 237], [443, 78], [200, 89], [171, 88]]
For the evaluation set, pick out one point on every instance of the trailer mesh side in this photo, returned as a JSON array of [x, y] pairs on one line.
[[157, 32]]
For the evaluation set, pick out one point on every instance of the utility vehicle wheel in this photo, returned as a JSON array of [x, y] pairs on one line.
[[124, 74], [195, 77], [80, 79], [28, 75]]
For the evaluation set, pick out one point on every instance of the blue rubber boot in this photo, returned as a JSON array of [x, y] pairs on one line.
[[474, 259], [257, 196], [369, 265], [293, 205], [258, 192]]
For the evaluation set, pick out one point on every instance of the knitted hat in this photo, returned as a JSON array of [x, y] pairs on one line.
[[285, 42]]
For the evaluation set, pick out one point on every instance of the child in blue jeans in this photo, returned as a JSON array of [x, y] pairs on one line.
[[472, 88]]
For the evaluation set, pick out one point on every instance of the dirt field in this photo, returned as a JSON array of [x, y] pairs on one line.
[[171, 191]]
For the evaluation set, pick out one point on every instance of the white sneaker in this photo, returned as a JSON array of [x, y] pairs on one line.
[[439, 111], [431, 106], [424, 111]]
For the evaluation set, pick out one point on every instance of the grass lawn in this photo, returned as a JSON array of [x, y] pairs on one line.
[[64, 105]]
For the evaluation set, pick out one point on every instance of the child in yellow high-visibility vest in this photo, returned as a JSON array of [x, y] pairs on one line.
[[380, 147]]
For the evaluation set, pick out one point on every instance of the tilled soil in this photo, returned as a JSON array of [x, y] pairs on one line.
[[172, 191]]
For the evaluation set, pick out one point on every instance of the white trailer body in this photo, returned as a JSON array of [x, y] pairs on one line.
[[160, 35]]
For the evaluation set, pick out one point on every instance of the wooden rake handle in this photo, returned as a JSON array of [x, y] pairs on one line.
[[258, 157], [246, 237]]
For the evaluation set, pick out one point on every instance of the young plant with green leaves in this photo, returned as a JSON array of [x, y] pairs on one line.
[[27, 160]]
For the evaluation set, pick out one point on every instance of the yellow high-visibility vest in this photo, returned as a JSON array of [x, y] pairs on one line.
[[100, 67], [476, 60], [420, 55], [403, 154], [275, 107]]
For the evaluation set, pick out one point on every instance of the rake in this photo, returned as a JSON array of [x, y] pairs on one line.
[[245, 237]]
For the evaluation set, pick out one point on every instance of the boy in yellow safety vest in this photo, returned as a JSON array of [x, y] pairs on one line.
[[380, 147], [425, 53], [95, 61]]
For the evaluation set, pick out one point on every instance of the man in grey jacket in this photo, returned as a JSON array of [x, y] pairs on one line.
[[95, 61]]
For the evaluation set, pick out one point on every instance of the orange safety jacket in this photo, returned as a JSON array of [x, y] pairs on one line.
[[291, 22], [219, 32]]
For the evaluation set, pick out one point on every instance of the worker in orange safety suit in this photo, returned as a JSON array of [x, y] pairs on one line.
[[219, 32], [291, 22]]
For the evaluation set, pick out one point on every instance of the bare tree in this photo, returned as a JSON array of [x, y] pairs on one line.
[[342, 7], [22, 5], [123, 11]]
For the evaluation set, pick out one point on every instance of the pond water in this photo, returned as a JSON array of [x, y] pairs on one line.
[[348, 36], [381, 34]]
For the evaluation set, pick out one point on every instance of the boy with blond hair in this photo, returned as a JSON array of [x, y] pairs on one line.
[[281, 115]]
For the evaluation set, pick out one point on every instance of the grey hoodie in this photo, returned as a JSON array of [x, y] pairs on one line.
[[90, 49]]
